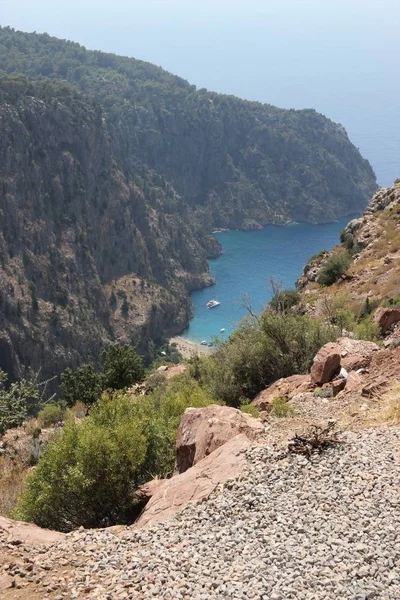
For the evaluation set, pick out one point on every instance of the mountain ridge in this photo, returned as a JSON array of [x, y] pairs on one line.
[[126, 170]]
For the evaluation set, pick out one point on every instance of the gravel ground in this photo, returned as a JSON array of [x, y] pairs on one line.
[[324, 529]]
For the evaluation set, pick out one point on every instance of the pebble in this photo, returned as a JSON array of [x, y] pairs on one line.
[[327, 528]]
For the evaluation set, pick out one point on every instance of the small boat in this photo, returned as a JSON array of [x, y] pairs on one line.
[[203, 343], [212, 303], [222, 330]]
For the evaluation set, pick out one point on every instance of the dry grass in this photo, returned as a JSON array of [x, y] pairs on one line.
[[12, 477], [391, 398]]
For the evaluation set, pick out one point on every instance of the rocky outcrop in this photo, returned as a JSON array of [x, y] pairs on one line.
[[326, 364], [385, 318], [196, 483], [18, 532], [203, 430], [286, 387]]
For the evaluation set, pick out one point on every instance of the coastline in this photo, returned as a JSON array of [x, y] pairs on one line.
[[188, 348]]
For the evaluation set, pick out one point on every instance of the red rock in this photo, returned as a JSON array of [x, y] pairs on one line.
[[355, 362], [354, 381], [147, 490], [338, 385], [375, 386], [326, 364], [287, 387], [203, 430], [197, 483], [27, 533], [386, 317]]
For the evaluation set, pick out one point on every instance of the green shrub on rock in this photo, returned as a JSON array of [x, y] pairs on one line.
[[336, 266]]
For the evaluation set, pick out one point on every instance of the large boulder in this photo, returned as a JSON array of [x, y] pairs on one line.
[[18, 532], [203, 430], [326, 364], [386, 317], [286, 387], [197, 483]]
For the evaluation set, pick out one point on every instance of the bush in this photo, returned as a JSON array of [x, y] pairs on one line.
[[18, 400], [283, 301], [280, 408], [89, 472], [50, 415], [336, 266], [259, 353]]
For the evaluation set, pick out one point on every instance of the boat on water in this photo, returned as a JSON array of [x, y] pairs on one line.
[[213, 303], [203, 343]]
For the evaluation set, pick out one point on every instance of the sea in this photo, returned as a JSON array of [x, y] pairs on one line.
[[243, 273]]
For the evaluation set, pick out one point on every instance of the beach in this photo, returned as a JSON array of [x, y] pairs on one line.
[[188, 348]]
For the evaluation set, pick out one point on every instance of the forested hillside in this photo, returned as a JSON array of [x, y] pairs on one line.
[[113, 173]]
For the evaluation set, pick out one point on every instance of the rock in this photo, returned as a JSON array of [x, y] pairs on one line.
[[375, 386], [203, 430], [338, 385], [287, 387], [197, 483], [147, 490], [353, 381], [354, 362], [326, 364], [162, 369], [350, 346], [386, 317], [27, 533]]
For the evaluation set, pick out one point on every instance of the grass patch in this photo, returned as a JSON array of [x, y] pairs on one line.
[[281, 408]]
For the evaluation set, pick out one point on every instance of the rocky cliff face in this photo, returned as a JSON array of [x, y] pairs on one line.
[[83, 257]]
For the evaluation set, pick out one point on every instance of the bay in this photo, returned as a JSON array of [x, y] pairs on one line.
[[249, 260]]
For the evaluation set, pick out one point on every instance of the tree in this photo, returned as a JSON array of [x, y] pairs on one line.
[[84, 385], [122, 367]]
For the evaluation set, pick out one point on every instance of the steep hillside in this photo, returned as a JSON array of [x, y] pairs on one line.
[[84, 256], [113, 174], [371, 245], [235, 163]]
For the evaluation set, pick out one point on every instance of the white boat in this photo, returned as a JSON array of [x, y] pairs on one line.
[[203, 343], [212, 303], [222, 330]]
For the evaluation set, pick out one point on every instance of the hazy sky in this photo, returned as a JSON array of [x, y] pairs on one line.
[[341, 57]]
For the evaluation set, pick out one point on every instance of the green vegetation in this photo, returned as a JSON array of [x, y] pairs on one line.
[[284, 300], [260, 352], [281, 408], [89, 473], [50, 415], [336, 266], [121, 367]]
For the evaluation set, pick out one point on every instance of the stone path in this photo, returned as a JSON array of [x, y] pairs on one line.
[[325, 529]]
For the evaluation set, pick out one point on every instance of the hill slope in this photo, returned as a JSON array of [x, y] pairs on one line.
[[113, 173]]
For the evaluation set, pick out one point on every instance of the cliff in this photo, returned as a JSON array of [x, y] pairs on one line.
[[84, 257], [113, 172]]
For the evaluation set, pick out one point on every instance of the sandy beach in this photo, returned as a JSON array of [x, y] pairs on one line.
[[188, 348]]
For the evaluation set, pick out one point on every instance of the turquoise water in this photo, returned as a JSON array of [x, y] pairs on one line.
[[250, 258]]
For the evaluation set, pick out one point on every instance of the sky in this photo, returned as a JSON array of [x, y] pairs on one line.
[[340, 57]]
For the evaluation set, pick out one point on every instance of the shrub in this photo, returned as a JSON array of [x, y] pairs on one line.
[[18, 400], [258, 353], [368, 330], [280, 408], [88, 474], [336, 266], [50, 415], [283, 301]]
